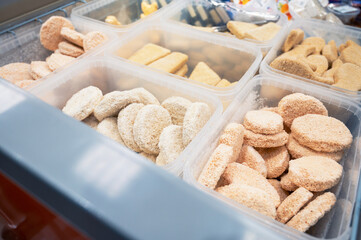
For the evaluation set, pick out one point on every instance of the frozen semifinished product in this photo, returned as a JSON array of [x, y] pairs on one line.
[[351, 54], [318, 42], [39, 69], [145, 96], [170, 63], [70, 49], [263, 33], [232, 136], [348, 77], [50, 36], [320, 62], [93, 39], [57, 60], [294, 37], [253, 159], [265, 141], [263, 122], [330, 51], [149, 53], [72, 36], [203, 73], [170, 144], [240, 28], [108, 127], [182, 71], [276, 160], [82, 103], [14, 72], [177, 108], [277, 185], [287, 184]]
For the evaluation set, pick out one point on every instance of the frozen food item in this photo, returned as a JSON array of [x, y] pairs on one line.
[[148, 8], [93, 39], [263, 33], [320, 62], [300, 51], [313, 212], [50, 36], [109, 127], [335, 65], [265, 141], [330, 51], [82, 103], [151, 157], [182, 71], [321, 133], [318, 42], [72, 36], [112, 20], [298, 104], [348, 76], [170, 144], [177, 108], [287, 184], [39, 69], [203, 73], [232, 136], [145, 96], [24, 83], [294, 38], [217, 163], [315, 173], [149, 53], [91, 121], [351, 54], [70, 49], [57, 60], [263, 122], [292, 204], [196, 117], [239, 29], [253, 159], [250, 197], [223, 83], [276, 160], [170, 63], [15, 72], [281, 192], [148, 126], [126, 118]]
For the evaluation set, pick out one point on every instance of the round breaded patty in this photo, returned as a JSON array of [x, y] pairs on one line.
[[57, 60], [265, 141], [72, 36], [177, 108], [50, 36], [263, 122], [315, 173], [70, 49], [253, 160], [93, 39], [276, 160], [233, 136], [277, 185], [287, 184], [321, 133], [145, 96], [109, 127], [170, 144], [14, 72], [39, 69]]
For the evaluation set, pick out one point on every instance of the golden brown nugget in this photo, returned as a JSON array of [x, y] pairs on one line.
[[348, 77], [263, 33], [72, 36], [196, 117], [281, 192], [216, 165], [182, 71], [56, 61], [300, 51], [223, 83], [292, 204], [39, 69], [91, 121], [315, 173], [341, 47], [203, 73], [318, 42], [177, 108], [232, 136], [297, 151], [241, 174], [253, 160], [265, 141], [294, 38], [14, 72], [335, 65], [298, 104], [320, 62], [126, 120], [250, 197], [148, 126], [330, 51], [287, 184], [145, 96], [351, 54], [70, 49], [24, 83], [50, 36], [170, 144], [170, 63], [149, 53], [263, 122], [108, 127], [321, 133], [151, 157], [93, 39], [276, 160], [313, 212], [240, 28], [83, 103]]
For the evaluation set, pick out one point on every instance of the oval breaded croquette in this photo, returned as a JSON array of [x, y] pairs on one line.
[[70, 49], [263, 122], [313, 212], [93, 39], [265, 141], [298, 104], [276, 160], [321, 133], [177, 108], [315, 173], [83, 103], [57, 60], [72, 36], [250, 197], [50, 30], [287, 184], [292, 204], [145, 96], [109, 127], [148, 126], [241, 174], [277, 185], [196, 117], [170, 144], [232, 136], [253, 160], [39, 69], [126, 120], [15, 72]]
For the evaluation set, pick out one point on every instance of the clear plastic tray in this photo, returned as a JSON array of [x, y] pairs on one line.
[[201, 13], [110, 74], [232, 59], [267, 91], [126, 11], [314, 28]]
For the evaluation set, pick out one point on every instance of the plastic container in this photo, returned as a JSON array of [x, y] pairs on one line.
[[203, 14], [126, 11], [267, 91], [345, 12], [314, 28], [110, 74], [231, 59]]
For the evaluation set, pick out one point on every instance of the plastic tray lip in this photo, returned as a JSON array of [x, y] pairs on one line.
[[267, 69], [177, 166], [287, 231], [193, 34]]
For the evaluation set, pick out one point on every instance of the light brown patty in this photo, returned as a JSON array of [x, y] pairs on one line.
[[50, 32], [276, 160], [277, 185], [263, 122], [14, 72], [265, 141], [39, 69]]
